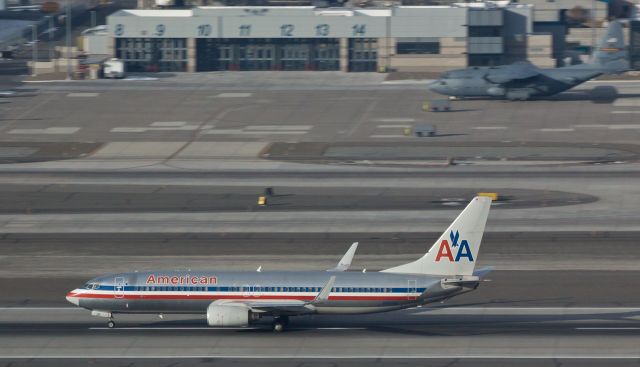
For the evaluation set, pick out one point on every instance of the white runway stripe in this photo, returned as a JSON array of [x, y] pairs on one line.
[[557, 130], [234, 95], [490, 128], [169, 123], [624, 112], [47, 131], [223, 131], [396, 119]]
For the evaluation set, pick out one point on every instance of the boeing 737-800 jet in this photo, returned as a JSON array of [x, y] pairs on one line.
[[233, 299]]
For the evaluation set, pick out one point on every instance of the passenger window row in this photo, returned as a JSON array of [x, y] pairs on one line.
[[259, 289]]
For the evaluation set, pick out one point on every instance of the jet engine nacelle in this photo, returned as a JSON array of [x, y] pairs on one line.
[[497, 91], [229, 315]]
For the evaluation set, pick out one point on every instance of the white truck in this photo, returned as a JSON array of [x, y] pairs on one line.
[[114, 69]]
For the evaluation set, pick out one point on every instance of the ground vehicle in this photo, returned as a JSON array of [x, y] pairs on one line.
[[424, 129], [114, 69], [436, 105]]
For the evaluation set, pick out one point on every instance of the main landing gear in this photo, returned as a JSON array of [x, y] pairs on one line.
[[279, 323], [111, 324]]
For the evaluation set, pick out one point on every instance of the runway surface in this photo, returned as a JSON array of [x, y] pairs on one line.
[[108, 176], [332, 107], [453, 333]]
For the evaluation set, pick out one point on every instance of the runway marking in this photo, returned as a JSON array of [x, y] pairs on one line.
[[161, 126], [47, 131], [490, 128], [396, 119], [83, 95], [393, 126], [279, 127], [557, 130], [382, 136], [234, 95], [169, 123], [263, 130], [624, 112], [148, 129]]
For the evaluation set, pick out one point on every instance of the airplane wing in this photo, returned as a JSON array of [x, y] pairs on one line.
[[345, 262], [285, 306], [511, 73]]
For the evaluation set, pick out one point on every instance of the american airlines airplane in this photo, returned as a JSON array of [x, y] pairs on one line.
[[236, 299]]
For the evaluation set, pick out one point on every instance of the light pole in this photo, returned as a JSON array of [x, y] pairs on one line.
[[34, 48], [68, 24]]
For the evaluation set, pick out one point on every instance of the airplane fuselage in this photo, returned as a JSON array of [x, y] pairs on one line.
[[193, 292], [477, 82]]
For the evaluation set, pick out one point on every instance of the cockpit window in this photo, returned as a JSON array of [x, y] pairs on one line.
[[91, 286]]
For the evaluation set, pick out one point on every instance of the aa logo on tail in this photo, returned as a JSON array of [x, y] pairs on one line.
[[446, 250]]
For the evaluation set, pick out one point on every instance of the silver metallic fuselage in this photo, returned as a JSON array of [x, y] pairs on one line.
[[194, 291]]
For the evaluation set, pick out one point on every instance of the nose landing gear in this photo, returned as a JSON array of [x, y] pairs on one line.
[[111, 324]]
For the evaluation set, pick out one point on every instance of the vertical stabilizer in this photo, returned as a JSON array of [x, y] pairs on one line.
[[456, 251], [611, 53]]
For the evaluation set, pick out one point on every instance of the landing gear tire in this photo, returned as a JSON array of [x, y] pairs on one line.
[[279, 323], [111, 324]]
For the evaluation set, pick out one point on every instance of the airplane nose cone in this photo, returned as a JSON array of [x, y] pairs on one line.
[[436, 87], [71, 297]]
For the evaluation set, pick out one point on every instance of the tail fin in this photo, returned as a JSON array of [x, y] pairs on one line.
[[611, 52], [456, 251]]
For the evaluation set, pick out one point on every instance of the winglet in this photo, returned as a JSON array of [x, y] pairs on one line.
[[325, 291], [345, 262]]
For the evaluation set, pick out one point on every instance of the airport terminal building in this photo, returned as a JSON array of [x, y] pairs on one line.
[[403, 38]]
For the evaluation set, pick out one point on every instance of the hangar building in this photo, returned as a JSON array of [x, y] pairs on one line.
[[404, 38]]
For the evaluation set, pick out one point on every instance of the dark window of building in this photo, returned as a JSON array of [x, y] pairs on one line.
[[268, 54], [485, 31], [417, 48]]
